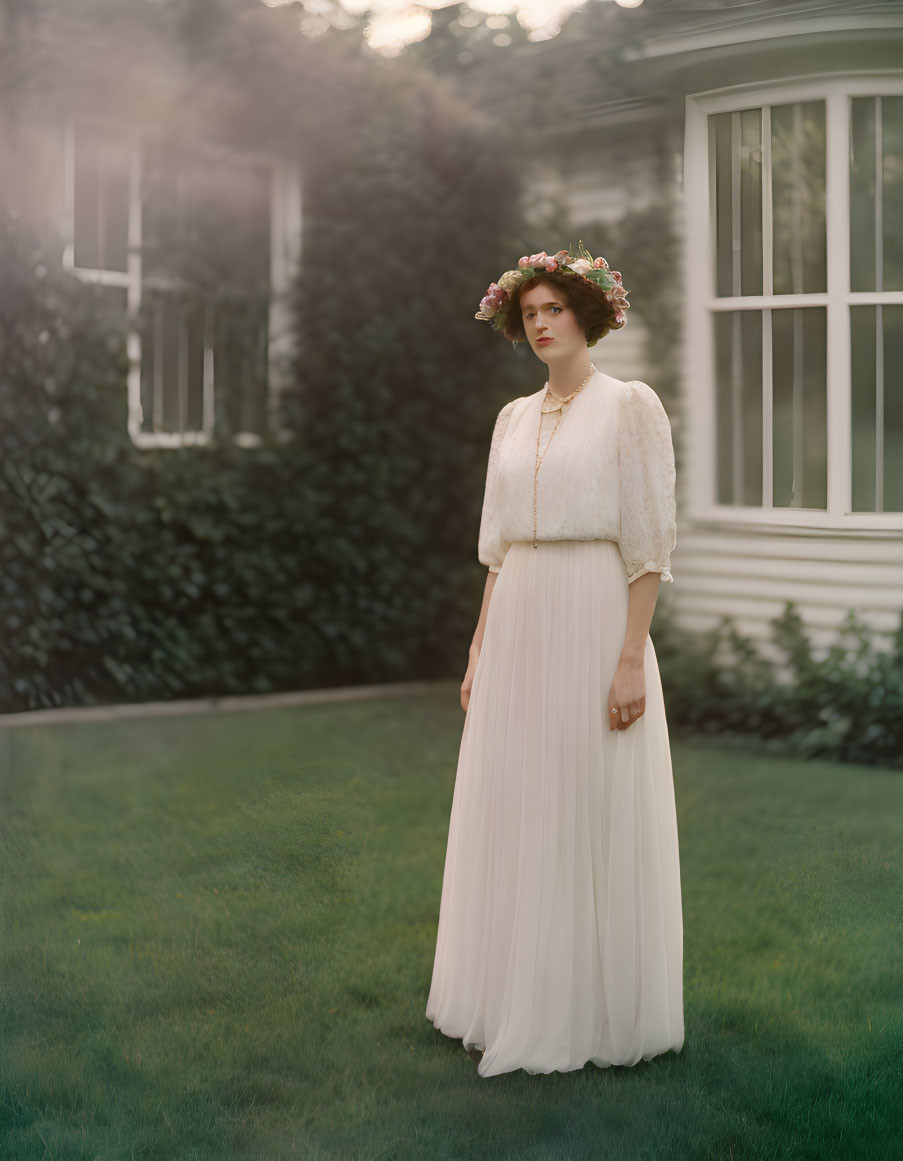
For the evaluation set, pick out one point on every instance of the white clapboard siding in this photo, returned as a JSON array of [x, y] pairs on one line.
[[749, 576]]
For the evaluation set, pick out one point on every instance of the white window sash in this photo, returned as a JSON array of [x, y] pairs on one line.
[[701, 301], [285, 233]]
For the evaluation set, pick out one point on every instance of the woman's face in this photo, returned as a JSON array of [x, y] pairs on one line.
[[551, 327]]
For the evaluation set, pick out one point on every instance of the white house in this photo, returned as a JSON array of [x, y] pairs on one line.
[[781, 130]]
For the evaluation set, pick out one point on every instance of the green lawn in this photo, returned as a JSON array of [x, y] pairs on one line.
[[219, 930]]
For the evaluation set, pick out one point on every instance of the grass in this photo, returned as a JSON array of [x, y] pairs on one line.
[[219, 930]]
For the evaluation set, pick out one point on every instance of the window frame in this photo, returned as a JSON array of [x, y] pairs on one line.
[[701, 302], [285, 239]]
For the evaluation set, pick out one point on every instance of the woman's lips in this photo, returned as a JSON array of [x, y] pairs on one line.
[[543, 342]]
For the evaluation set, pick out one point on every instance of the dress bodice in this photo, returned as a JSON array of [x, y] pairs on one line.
[[607, 473]]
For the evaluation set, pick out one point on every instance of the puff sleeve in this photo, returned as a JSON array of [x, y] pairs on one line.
[[648, 529], [492, 545]]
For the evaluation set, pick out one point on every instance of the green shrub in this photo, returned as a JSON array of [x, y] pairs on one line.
[[847, 704]]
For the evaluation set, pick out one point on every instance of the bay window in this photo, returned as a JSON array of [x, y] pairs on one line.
[[794, 201]]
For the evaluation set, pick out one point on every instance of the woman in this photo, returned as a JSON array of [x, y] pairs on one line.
[[560, 936]]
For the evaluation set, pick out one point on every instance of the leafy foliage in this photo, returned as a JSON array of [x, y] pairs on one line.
[[344, 554], [846, 705]]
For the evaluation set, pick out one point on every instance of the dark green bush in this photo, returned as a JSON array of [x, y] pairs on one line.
[[345, 554], [846, 705]]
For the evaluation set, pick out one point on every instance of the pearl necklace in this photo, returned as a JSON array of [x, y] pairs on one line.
[[558, 408], [559, 403]]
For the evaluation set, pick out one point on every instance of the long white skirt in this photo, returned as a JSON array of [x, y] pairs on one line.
[[560, 934]]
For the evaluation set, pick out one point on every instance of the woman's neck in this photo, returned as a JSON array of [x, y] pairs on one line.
[[567, 376]]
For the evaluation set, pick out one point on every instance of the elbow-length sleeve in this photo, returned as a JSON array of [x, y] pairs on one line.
[[648, 520], [492, 545]]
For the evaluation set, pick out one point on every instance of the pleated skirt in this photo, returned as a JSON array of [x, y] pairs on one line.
[[560, 938]]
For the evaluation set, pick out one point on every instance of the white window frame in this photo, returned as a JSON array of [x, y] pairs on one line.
[[701, 302], [285, 243]]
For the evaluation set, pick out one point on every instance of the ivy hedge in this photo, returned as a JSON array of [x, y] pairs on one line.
[[134, 574]]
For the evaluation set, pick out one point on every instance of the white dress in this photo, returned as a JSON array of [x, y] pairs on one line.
[[560, 937]]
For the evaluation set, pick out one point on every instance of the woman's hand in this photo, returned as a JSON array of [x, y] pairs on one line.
[[627, 696], [467, 683]]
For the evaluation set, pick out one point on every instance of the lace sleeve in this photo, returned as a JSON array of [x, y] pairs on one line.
[[648, 529], [492, 545]]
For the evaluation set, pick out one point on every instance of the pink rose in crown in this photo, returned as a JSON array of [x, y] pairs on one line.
[[538, 259], [493, 299], [600, 264], [523, 262], [560, 256]]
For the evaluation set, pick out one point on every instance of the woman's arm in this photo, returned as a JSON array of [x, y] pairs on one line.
[[477, 643], [628, 689]]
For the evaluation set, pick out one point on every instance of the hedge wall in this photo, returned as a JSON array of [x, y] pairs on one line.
[[346, 554]]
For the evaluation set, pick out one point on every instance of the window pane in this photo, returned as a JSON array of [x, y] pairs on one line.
[[720, 146], [205, 221], [737, 143], [862, 193], [172, 364], [798, 198], [101, 200], [207, 226], [240, 367], [876, 193], [877, 408], [161, 214], [751, 201], [738, 365], [892, 178], [862, 407], [799, 408], [893, 407]]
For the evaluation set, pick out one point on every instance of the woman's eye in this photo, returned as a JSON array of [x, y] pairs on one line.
[[557, 309]]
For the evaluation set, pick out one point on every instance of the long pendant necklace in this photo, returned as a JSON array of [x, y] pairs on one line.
[[558, 405]]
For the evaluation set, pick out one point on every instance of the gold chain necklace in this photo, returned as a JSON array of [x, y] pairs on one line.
[[544, 410]]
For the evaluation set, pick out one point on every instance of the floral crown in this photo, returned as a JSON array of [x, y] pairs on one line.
[[496, 302]]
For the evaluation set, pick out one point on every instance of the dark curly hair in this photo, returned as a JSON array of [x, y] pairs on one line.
[[594, 315]]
